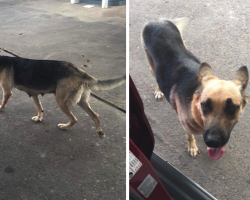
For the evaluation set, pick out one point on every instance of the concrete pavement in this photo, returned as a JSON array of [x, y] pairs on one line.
[[39, 161], [219, 34]]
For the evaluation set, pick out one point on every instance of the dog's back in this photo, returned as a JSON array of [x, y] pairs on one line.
[[172, 60], [38, 74]]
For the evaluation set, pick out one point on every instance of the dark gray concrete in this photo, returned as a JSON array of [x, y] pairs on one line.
[[39, 161], [219, 34]]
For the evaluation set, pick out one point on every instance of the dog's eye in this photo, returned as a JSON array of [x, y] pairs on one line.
[[231, 110], [206, 107]]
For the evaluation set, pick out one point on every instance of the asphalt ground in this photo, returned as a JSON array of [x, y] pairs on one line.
[[37, 160], [219, 34]]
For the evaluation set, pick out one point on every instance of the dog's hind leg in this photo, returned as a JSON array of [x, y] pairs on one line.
[[72, 119], [158, 94], [64, 103], [39, 107], [6, 94], [83, 103], [192, 147]]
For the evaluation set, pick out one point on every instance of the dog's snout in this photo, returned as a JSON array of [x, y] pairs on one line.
[[213, 141], [214, 137]]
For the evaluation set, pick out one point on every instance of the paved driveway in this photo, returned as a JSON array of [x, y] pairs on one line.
[[39, 161], [219, 34]]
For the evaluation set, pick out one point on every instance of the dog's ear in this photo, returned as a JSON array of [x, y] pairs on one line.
[[241, 78], [204, 71]]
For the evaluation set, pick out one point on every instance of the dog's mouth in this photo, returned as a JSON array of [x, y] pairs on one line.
[[216, 142], [216, 153]]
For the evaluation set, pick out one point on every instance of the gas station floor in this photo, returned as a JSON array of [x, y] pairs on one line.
[[39, 161]]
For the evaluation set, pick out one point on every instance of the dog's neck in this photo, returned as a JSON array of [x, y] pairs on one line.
[[195, 111], [188, 114]]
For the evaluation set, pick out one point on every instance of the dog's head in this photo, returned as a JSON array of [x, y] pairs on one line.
[[220, 104]]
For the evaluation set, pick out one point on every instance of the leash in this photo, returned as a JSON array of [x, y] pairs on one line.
[[108, 103], [13, 54]]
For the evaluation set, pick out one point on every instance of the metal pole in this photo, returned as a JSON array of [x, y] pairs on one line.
[[105, 3]]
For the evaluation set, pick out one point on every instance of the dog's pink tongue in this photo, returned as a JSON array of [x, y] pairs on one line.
[[216, 153]]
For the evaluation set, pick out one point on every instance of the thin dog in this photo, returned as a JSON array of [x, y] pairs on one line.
[[204, 103], [70, 85]]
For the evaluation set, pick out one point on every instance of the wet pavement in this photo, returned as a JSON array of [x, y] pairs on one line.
[[39, 161], [219, 34]]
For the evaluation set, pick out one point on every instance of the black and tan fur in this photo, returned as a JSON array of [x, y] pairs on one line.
[[204, 103], [70, 85]]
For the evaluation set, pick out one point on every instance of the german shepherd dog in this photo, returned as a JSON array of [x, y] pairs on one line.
[[204, 103], [70, 85]]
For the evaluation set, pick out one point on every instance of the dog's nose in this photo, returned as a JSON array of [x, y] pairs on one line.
[[214, 138]]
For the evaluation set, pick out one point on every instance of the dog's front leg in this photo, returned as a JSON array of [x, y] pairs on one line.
[[158, 94], [6, 95], [39, 107], [192, 147]]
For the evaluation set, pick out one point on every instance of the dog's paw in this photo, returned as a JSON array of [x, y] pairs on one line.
[[101, 134], [37, 119], [192, 149], [63, 126], [158, 94], [1, 107]]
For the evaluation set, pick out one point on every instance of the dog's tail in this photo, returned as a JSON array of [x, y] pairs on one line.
[[181, 23], [109, 83]]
